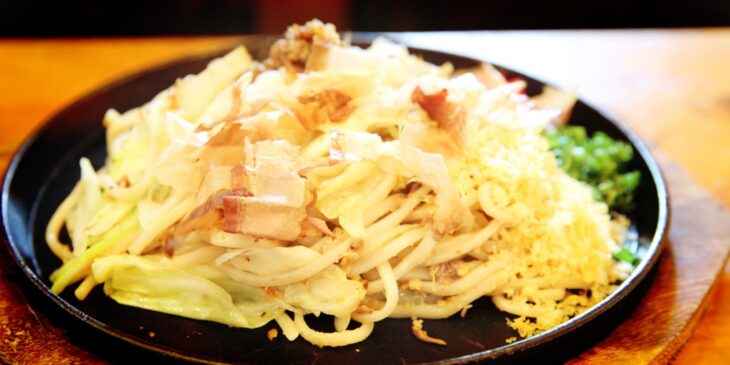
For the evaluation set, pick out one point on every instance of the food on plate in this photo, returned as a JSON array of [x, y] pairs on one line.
[[361, 184], [600, 161]]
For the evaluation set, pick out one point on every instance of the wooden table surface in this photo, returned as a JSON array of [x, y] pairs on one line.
[[670, 86]]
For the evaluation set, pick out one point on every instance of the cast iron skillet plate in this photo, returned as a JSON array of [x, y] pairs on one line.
[[45, 168]]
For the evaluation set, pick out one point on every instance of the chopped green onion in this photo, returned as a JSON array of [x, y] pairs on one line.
[[626, 255], [600, 161]]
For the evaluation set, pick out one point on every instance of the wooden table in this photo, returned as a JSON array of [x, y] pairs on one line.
[[671, 86]]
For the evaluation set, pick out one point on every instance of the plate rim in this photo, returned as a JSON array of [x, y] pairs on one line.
[[638, 275]]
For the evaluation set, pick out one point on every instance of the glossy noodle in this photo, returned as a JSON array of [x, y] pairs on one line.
[[362, 184]]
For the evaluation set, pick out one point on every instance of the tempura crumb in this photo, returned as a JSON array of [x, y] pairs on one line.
[[421, 334], [272, 334]]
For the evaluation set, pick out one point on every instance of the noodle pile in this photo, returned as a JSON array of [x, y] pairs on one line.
[[328, 179]]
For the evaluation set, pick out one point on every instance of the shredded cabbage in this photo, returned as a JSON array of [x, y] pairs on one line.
[[358, 183], [143, 283]]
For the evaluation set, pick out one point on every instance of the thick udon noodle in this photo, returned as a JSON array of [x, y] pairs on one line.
[[402, 215]]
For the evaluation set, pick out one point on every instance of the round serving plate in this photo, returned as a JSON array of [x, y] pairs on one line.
[[45, 168]]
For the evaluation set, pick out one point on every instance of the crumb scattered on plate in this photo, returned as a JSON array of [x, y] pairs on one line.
[[272, 334]]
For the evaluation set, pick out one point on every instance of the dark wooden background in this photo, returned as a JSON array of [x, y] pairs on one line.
[[41, 18]]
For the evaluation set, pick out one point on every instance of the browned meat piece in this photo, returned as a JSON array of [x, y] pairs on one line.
[[450, 117], [261, 218], [326, 105], [294, 49]]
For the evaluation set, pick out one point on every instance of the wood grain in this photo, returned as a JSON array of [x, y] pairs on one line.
[[662, 83], [709, 342], [24, 337], [700, 229], [41, 76]]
